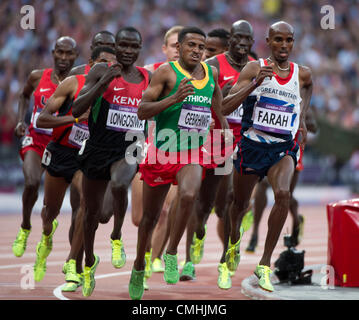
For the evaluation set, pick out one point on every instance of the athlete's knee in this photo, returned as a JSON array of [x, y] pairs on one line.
[[32, 184], [148, 221], [187, 197], [282, 198], [240, 205], [119, 188]]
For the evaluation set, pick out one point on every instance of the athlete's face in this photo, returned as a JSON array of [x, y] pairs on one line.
[[170, 49], [192, 48], [104, 57], [214, 46], [128, 47], [64, 56], [281, 44], [103, 40], [240, 42]]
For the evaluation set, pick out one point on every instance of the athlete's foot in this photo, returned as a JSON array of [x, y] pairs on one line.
[[224, 280], [197, 246], [157, 265], [72, 286], [135, 287], [171, 274], [233, 256], [148, 266], [263, 274], [188, 272], [89, 278], [19, 244], [118, 257], [247, 220]]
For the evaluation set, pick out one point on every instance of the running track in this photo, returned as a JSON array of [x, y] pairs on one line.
[[112, 284]]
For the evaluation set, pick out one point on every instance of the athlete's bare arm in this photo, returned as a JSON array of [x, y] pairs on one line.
[[245, 85], [162, 82], [66, 90], [32, 82], [96, 83], [217, 101], [306, 88], [77, 70]]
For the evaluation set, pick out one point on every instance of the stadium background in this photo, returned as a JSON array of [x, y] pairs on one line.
[[332, 157]]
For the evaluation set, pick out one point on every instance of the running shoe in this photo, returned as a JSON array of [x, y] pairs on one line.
[[224, 278], [135, 287], [196, 249], [232, 255], [263, 274], [118, 253], [19, 244], [171, 274], [157, 265], [70, 271], [247, 220], [148, 266], [43, 249], [89, 278], [188, 272], [145, 284], [252, 244], [72, 286]]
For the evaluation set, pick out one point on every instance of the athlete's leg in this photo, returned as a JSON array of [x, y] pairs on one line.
[[293, 209], [153, 199], [280, 177], [122, 174], [136, 196], [32, 174], [74, 202], [189, 182]]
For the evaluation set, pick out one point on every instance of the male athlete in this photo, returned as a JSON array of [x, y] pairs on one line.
[[114, 93], [41, 83], [275, 94], [180, 97], [216, 43]]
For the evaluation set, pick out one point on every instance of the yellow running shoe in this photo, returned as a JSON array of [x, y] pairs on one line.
[[118, 253], [224, 278], [71, 275], [145, 284], [148, 266], [233, 256], [157, 265], [19, 244], [196, 249], [247, 220], [89, 278], [263, 273], [43, 249]]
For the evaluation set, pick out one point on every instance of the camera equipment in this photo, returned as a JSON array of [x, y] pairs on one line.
[[289, 265]]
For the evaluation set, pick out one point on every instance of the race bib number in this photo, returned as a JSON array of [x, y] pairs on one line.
[[27, 141], [122, 118], [46, 157], [35, 116], [79, 133], [83, 146], [194, 117], [236, 115], [271, 117]]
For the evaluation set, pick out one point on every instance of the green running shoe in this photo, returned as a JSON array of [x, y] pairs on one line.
[[188, 272], [19, 244], [148, 266], [197, 246], [263, 273], [118, 253], [43, 249], [135, 287], [171, 274], [233, 256], [70, 274], [157, 265], [224, 280], [89, 278], [72, 286]]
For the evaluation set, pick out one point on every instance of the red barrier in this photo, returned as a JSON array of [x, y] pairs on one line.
[[343, 241]]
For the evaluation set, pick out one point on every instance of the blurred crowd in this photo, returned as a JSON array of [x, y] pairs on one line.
[[332, 54]]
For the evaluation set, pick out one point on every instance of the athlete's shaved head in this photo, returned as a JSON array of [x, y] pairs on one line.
[[67, 41], [65, 53], [280, 26], [243, 26]]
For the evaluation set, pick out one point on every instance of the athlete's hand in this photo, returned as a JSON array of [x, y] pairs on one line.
[[111, 73], [20, 129], [184, 90], [265, 71], [303, 136], [84, 116], [227, 87]]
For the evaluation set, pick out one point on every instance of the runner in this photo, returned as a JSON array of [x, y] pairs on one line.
[[216, 42], [41, 83], [172, 99], [275, 94], [113, 92]]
